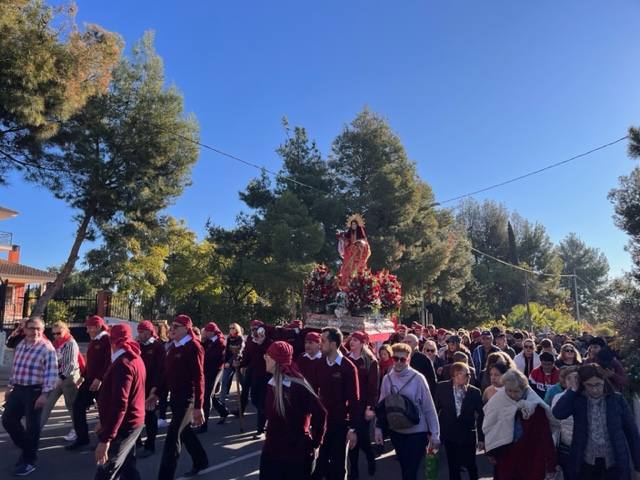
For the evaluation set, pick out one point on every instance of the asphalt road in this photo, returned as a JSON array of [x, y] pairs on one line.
[[232, 454]]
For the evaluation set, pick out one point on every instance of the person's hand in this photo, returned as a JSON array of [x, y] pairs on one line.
[[41, 401], [369, 414], [227, 365], [101, 453], [572, 381], [151, 403], [440, 370], [352, 439], [480, 446], [379, 438], [95, 385], [434, 444], [79, 382], [550, 475], [198, 417]]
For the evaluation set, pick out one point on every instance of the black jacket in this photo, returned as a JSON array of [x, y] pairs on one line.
[[421, 363], [459, 429]]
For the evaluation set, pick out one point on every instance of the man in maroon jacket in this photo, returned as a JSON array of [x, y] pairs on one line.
[[214, 345], [256, 369], [310, 359], [98, 361], [121, 408], [152, 352], [339, 393], [184, 378]]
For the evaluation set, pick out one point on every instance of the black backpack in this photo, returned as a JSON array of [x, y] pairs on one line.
[[396, 411]]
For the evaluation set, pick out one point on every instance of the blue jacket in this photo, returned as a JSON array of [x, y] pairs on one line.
[[623, 432], [479, 357]]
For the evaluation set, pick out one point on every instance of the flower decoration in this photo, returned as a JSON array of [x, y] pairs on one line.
[[321, 286], [390, 291], [364, 292]]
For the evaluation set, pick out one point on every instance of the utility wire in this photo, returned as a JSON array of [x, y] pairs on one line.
[[518, 267], [535, 172]]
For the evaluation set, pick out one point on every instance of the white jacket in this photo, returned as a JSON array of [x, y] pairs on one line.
[[519, 361]]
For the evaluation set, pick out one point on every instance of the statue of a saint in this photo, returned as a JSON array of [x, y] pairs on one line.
[[354, 250]]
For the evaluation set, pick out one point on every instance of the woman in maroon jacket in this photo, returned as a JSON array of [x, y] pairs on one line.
[[368, 383], [296, 419], [213, 342], [98, 361], [121, 408]]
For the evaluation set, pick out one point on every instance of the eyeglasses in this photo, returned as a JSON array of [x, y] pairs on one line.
[[399, 359], [528, 347], [430, 350], [569, 350], [56, 334]]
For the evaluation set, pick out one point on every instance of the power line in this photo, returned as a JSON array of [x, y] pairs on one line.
[[535, 172], [518, 267]]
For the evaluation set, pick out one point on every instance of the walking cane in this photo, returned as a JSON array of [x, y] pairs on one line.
[[240, 409]]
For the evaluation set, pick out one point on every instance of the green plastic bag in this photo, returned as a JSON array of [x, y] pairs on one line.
[[431, 466]]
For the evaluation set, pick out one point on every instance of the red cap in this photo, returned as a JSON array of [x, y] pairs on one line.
[[295, 324], [475, 334], [402, 326], [184, 320], [96, 321], [146, 325], [441, 331], [312, 337], [257, 323], [120, 336], [360, 336], [282, 354], [212, 327], [416, 326]]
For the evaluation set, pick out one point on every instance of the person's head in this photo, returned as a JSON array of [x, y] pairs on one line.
[[331, 340], [460, 357], [593, 381], [515, 384], [312, 343], [401, 331], [59, 329], [501, 341], [163, 330], [547, 345], [357, 340], [120, 336], [401, 355], [441, 334], [569, 354], [95, 324], [460, 373], [564, 373], [197, 333], [594, 346], [33, 329], [518, 338], [279, 362], [417, 329], [496, 372], [146, 330], [411, 340], [354, 225], [235, 330], [431, 330], [211, 330], [547, 362], [486, 339], [385, 352], [430, 349], [528, 348], [453, 343], [181, 327]]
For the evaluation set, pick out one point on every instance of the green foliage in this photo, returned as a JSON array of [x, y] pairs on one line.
[[542, 319], [57, 311], [48, 70]]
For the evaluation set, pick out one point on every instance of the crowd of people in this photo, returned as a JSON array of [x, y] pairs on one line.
[[539, 406]]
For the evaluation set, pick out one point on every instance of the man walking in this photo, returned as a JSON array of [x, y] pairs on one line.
[[98, 361], [121, 408], [214, 345], [33, 376], [184, 378], [482, 351]]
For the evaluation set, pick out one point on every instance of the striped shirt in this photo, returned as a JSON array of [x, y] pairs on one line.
[[35, 364], [68, 364]]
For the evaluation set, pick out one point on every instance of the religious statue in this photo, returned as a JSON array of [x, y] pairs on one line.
[[354, 250]]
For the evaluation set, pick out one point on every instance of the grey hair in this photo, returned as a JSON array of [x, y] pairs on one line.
[[515, 378], [412, 337]]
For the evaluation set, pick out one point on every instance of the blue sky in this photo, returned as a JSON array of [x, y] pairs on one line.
[[478, 92]]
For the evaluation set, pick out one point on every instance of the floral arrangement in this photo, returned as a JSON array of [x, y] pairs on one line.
[[321, 286], [364, 292], [390, 291]]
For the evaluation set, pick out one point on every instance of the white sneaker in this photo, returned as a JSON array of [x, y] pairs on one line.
[[71, 436], [162, 423]]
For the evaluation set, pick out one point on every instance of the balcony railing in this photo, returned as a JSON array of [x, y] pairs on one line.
[[6, 240]]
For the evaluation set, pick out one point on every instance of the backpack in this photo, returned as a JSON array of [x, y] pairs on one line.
[[399, 411]]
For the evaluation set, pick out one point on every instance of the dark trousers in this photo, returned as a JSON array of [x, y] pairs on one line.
[[209, 382], [83, 400], [599, 471], [461, 455], [21, 403], [291, 469], [180, 432], [163, 403], [151, 427], [245, 383], [410, 448], [363, 433], [122, 457], [258, 397], [332, 458]]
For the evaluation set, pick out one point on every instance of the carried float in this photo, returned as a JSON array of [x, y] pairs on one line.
[[355, 298]]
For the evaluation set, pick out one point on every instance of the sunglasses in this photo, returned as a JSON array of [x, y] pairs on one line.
[[528, 347], [399, 359], [568, 350], [430, 350], [56, 334]]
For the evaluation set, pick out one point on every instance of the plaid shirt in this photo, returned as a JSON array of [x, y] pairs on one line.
[[35, 364]]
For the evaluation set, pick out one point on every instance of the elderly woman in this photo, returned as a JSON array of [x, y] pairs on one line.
[[430, 349], [605, 437], [517, 429]]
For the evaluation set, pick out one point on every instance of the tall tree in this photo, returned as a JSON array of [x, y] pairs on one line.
[[592, 268], [48, 70], [122, 158]]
